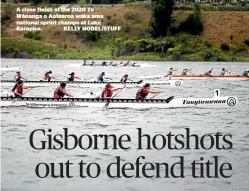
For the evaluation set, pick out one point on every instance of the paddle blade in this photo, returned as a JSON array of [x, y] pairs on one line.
[[169, 99]]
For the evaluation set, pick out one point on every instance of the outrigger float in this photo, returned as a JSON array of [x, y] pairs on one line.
[[196, 77], [171, 102], [94, 84], [7, 69]]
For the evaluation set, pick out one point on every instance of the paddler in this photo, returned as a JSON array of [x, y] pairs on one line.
[[61, 91], [72, 77], [48, 76], [246, 73], [18, 76], [84, 63], [92, 63], [108, 91], [223, 72], [185, 71], [170, 71], [208, 73], [124, 79], [144, 91], [18, 88], [104, 63], [101, 77], [127, 63]]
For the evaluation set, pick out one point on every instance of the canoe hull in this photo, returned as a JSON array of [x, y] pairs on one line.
[[172, 83], [217, 102], [13, 69], [195, 77]]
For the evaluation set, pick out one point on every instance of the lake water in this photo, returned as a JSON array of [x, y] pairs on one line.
[[19, 159]]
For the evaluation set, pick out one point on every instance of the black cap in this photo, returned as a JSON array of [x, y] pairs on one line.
[[50, 72], [103, 73], [146, 85], [72, 73], [63, 84]]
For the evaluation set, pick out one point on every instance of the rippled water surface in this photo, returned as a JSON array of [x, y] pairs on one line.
[[19, 159]]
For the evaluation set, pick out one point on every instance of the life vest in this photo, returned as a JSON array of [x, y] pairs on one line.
[[184, 73], [244, 73], [170, 72], [17, 77], [100, 78], [47, 77], [222, 73], [208, 73], [142, 93], [125, 79], [19, 89], [106, 91], [59, 92], [71, 78]]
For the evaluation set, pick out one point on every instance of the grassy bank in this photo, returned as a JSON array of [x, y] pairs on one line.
[[15, 47]]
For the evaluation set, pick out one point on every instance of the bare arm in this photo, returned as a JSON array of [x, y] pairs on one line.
[[115, 89], [155, 91], [68, 94], [77, 78], [27, 87], [108, 78]]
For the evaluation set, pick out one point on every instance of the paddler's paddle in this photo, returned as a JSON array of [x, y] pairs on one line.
[[169, 99], [108, 101], [154, 96]]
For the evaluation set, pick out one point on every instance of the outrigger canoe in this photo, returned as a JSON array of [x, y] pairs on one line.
[[94, 84], [196, 77], [111, 66], [7, 69], [171, 102]]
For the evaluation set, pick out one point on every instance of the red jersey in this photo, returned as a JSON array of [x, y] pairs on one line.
[[19, 89], [59, 92], [142, 93], [72, 77], [106, 93], [48, 76]]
